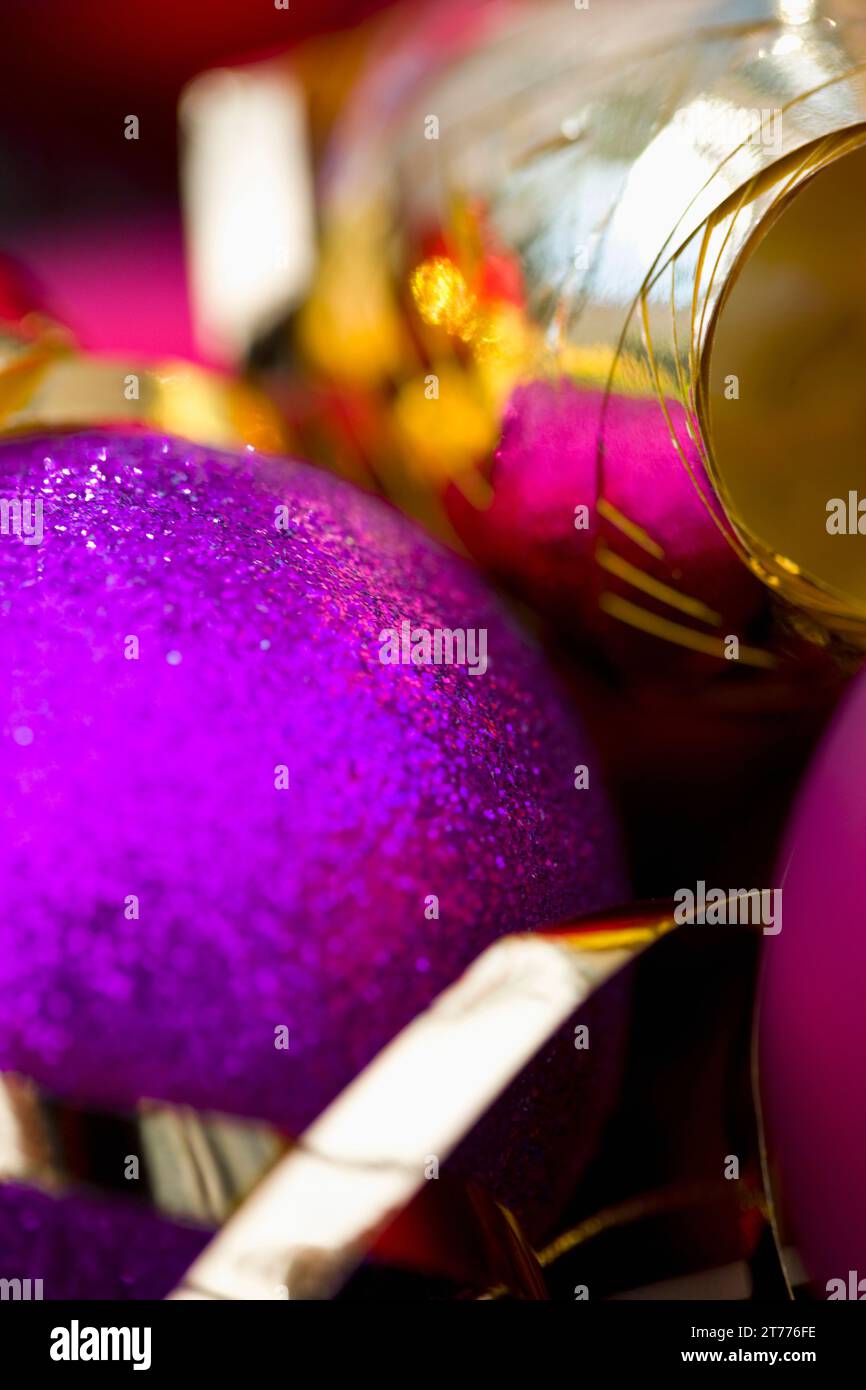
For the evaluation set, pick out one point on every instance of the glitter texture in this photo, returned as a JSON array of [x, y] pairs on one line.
[[174, 642], [81, 1247]]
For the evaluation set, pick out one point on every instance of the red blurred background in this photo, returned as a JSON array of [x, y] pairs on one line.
[[93, 216]]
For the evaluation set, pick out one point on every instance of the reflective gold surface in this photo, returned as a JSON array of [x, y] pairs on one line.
[[793, 328]]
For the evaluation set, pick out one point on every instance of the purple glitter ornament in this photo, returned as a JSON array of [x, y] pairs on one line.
[[223, 815]]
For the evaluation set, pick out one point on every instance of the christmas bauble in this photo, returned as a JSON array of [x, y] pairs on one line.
[[274, 769], [812, 1055], [548, 535]]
